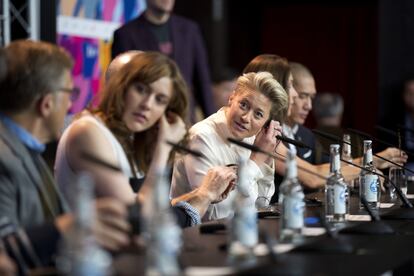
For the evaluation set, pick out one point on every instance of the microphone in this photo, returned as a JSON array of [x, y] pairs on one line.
[[338, 140], [293, 142], [247, 146], [98, 161], [366, 135], [401, 195], [259, 150], [405, 128], [393, 133], [386, 130], [400, 213], [134, 182], [330, 243], [375, 226], [181, 148], [374, 216]]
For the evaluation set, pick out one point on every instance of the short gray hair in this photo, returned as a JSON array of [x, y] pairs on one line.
[[264, 83], [299, 70], [32, 70], [328, 105]]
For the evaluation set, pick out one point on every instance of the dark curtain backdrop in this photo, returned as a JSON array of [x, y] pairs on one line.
[[338, 42], [362, 49]]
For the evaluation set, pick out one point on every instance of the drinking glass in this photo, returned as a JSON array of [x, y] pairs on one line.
[[398, 177]]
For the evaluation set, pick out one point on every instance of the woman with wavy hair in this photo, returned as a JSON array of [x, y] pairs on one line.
[[143, 104]]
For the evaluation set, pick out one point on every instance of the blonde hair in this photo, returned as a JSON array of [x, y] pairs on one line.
[[264, 83]]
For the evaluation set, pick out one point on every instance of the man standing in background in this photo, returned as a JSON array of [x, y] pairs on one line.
[[158, 29]]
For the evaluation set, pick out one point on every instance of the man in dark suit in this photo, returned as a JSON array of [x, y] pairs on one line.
[[157, 29]]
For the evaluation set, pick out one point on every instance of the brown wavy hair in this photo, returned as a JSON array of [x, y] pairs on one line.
[[144, 68]]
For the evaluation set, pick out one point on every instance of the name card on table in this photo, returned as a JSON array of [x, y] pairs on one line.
[[359, 218], [386, 205]]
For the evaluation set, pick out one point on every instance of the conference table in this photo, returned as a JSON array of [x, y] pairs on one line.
[[318, 254]]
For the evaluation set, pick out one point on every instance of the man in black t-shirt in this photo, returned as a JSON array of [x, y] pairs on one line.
[[158, 29]]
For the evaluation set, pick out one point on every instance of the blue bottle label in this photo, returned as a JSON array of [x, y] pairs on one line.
[[339, 199], [294, 208], [371, 188]]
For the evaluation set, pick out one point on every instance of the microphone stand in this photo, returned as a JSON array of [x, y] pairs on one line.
[[393, 133], [366, 135], [331, 245], [401, 213], [400, 126], [184, 149], [401, 195], [282, 158], [338, 140], [98, 161], [376, 226], [296, 143], [327, 244]]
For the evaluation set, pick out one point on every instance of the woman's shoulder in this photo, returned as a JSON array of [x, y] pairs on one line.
[[207, 126], [86, 129], [203, 129]]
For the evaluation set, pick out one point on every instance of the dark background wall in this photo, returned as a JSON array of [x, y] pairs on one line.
[[396, 55], [338, 42], [360, 49]]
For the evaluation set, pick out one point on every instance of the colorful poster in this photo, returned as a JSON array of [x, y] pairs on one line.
[[85, 29]]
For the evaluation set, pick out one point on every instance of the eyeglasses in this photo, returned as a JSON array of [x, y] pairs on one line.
[[74, 92]]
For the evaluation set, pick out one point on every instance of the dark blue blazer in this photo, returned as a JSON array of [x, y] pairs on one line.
[[188, 52], [306, 136]]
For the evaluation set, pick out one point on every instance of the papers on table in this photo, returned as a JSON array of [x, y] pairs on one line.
[[205, 270], [359, 218], [386, 205]]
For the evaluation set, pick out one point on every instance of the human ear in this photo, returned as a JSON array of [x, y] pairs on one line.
[[46, 104], [233, 94]]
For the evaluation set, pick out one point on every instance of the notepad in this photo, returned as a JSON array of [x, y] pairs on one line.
[[280, 248], [359, 218], [313, 231], [386, 205], [205, 270]]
